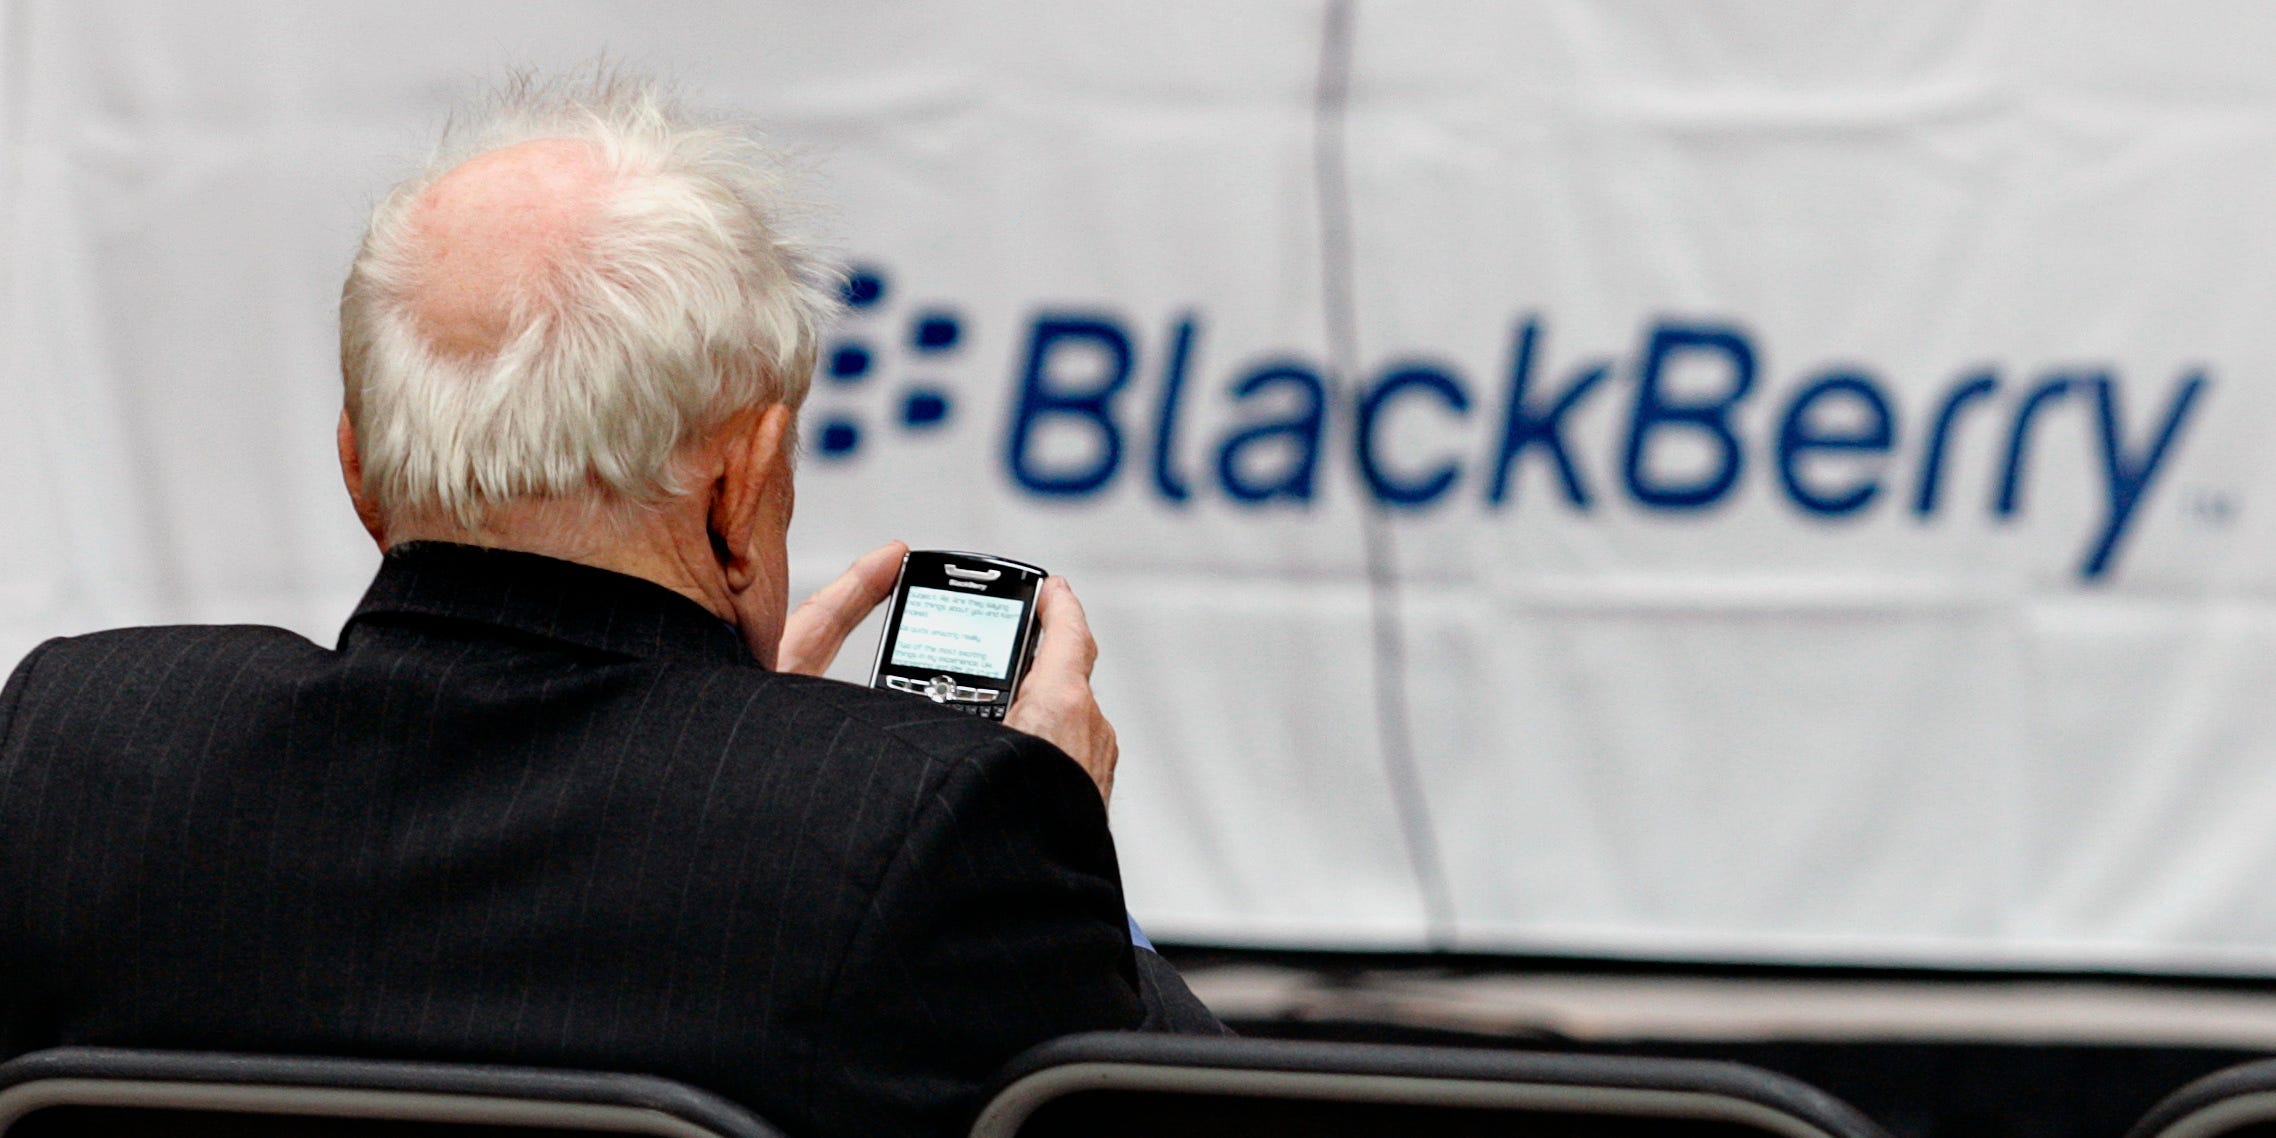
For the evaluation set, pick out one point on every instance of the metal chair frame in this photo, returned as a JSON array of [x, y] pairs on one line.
[[1612, 1086], [2216, 1104], [606, 1103]]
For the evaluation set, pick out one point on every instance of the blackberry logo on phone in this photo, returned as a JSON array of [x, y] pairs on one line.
[[960, 631]]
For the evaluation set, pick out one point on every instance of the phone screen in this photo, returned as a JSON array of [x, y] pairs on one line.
[[949, 631], [960, 630]]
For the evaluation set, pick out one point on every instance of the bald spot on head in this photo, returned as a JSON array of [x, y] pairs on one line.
[[491, 230]]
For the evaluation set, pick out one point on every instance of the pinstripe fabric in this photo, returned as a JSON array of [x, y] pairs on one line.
[[536, 812]]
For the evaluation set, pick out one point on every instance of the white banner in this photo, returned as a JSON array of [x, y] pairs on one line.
[[1738, 480]]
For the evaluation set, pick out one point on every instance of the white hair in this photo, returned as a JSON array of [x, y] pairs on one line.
[[680, 305]]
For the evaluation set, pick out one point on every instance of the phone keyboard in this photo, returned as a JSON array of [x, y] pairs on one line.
[[948, 693]]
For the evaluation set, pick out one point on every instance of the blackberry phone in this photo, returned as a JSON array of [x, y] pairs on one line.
[[960, 630]]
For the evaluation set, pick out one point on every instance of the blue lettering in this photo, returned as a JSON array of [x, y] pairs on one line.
[[1836, 439], [2129, 475], [1301, 430], [2019, 442], [1799, 436], [1523, 427], [1654, 411], [1411, 493], [1045, 394], [1166, 420], [1979, 386]]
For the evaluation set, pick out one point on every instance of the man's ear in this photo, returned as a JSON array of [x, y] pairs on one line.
[[753, 490], [352, 472]]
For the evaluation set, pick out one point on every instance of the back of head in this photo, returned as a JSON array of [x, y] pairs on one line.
[[585, 279]]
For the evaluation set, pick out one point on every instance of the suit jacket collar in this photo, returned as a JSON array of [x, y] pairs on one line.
[[549, 598]]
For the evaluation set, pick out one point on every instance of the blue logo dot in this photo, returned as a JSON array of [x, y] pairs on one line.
[[850, 362], [839, 438], [924, 408], [864, 287], [936, 332]]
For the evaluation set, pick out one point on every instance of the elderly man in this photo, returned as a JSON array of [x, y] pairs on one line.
[[566, 793]]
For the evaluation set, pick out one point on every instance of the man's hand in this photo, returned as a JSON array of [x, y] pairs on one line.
[[1055, 702], [812, 635]]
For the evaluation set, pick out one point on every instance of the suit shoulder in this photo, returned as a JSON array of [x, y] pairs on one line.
[[927, 729], [187, 633], [146, 639], [126, 655]]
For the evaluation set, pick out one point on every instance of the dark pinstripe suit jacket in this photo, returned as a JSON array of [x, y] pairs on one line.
[[534, 812]]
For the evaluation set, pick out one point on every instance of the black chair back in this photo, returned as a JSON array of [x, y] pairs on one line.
[[91, 1092], [2235, 1102], [1125, 1084]]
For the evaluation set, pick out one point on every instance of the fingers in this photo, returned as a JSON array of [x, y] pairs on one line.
[[812, 635], [1064, 644], [1055, 702]]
